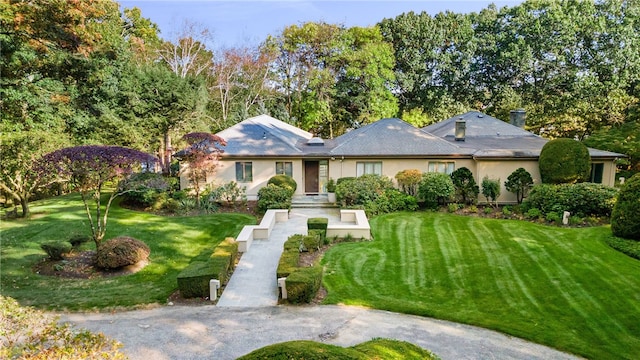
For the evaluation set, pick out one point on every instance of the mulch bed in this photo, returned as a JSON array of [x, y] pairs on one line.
[[80, 265]]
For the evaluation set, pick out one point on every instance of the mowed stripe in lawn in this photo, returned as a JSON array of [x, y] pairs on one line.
[[561, 287]]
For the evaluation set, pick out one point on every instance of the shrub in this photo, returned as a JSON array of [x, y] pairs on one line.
[[584, 199], [274, 197], [360, 190], [320, 226], [564, 161], [56, 250], [229, 193], [27, 333], [390, 200], [312, 242], [436, 188], [121, 251], [223, 258], [193, 281], [144, 189], [487, 210], [453, 207], [625, 218], [290, 255], [78, 240], [408, 181], [466, 188], [343, 179], [533, 213], [331, 186], [626, 246], [283, 181], [519, 183], [506, 211], [491, 189], [553, 217], [303, 284]]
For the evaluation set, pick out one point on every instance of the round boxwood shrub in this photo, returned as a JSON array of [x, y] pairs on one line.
[[625, 218], [564, 161], [282, 181], [121, 251]]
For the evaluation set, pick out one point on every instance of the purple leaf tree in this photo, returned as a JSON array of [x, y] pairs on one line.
[[202, 155], [91, 168]]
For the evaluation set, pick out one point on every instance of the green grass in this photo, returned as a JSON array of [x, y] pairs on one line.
[[561, 287], [174, 242]]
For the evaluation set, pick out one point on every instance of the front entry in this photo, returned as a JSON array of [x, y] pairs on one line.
[[311, 177]]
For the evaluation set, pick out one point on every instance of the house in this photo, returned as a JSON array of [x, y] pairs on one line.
[[261, 147]]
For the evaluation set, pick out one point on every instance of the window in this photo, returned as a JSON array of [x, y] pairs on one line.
[[446, 167], [243, 172], [369, 167], [596, 173], [284, 168]]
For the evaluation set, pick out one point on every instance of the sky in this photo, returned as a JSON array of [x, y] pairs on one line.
[[243, 22]]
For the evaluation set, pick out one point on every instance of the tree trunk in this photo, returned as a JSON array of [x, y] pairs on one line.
[[24, 203], [167, 154]]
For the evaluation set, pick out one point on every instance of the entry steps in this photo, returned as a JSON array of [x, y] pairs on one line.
[[312, 201]]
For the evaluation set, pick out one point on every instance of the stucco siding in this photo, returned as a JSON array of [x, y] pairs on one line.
[[501, 169]]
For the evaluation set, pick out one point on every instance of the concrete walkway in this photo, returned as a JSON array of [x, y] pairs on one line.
[[254, 283]]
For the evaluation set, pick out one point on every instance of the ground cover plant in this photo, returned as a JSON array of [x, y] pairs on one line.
[[174, 242], [562, 287]]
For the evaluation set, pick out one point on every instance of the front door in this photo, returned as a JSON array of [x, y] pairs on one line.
[[311, 172]]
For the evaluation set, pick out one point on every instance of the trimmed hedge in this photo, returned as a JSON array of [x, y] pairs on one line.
[[303, 284], [193, 281], [318, 226], [626, 246], [290, 256]]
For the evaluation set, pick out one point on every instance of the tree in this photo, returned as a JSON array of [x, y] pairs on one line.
[[20, 150], [436, 188], [466, 187], [564, 161], [202, 155], [491, 190], [188, 56], [625, 221], [519, 182], [90, 169]]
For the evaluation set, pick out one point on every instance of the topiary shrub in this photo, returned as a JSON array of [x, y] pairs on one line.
[[564, 161], [519, 182], [625, 218], [466, 188], [121, 251], [303, 284], [56, 250], [193, 281], [436, 189], [283, 181]]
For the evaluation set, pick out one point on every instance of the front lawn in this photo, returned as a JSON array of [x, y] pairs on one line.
[[174, 241], [560, 287]]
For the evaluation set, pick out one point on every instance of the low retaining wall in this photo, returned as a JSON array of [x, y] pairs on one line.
[[360, 228], [261, 231]]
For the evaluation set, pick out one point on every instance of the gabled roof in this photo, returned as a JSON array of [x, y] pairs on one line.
[[263, 136], [392, 137]]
